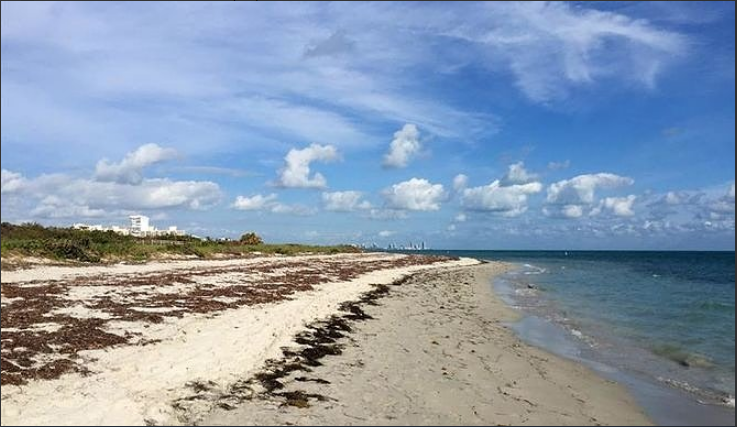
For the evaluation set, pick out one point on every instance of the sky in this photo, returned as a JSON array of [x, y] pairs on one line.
[[504, 125]]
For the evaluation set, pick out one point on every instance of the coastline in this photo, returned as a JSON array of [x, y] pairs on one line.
[[664, 403], [436, 350]]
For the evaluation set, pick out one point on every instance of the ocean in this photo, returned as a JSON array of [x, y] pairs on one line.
[[663, 323]]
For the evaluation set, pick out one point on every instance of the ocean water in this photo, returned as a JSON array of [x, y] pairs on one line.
[[665, 318]]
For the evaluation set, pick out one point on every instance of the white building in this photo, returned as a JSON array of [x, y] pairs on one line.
[[139, 227]]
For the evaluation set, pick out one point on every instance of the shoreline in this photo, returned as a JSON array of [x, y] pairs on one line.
[[435, 349], [664, 403]]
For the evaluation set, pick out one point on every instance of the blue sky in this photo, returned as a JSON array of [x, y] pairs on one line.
[[473, 125]]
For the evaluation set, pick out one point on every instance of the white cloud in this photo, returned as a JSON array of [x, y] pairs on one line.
[[552, 48], [508, 200], [620, 206], [52, 207], [269, 203], [460, 182], [11, 182], [296, 171], [295, 209], [61, 196], [672, 203], [580, 190], [724, 205], [452, 227], [386, 233], [117, 189], [568, 198], [130, 169], [517, 174], [254, 203], [565, 211], [572, 211], [415, 195], [673, 198], [461, 217], [404, 146], [344, 201], [250, 92]]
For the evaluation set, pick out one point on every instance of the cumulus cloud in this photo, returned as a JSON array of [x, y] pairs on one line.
[[405, 146], [296, 171], [581, 189], [344, 201], [11, 182], [130, 169], [386, 233], [415, 195], [460, 182], [461, 217], [565, 211], [517, 174], [507, 200], [53, 207], [269, 203], [73, 197], [671, 203], [116, 189], [673, 198], [572, 211], [507, 196], [619, 206], [254, 203], [724, 205], [570, 197]]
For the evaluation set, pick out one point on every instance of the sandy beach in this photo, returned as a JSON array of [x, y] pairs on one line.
[[339, 339], [437, 352]]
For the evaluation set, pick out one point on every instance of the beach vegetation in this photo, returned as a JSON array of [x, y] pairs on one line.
[[251, 238], [68, 244]]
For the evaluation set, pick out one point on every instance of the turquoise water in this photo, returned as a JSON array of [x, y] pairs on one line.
[[665, 316]]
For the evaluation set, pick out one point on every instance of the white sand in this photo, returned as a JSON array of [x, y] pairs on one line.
[[134, 385]]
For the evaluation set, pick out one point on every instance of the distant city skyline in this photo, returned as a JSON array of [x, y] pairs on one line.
[[504, 125]]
